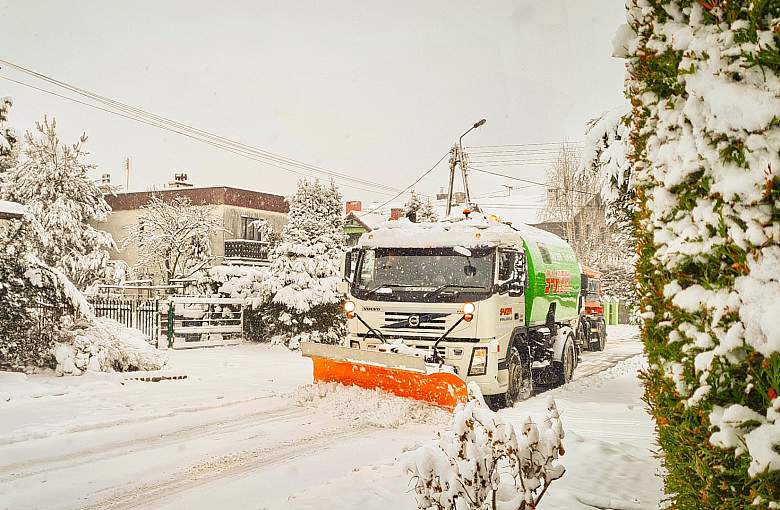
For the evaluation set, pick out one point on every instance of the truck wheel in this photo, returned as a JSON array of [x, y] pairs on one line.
[[520, 386], [599, 346], [563, 371]]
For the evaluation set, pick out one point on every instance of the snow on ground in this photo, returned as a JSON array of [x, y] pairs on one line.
[[246, 429]]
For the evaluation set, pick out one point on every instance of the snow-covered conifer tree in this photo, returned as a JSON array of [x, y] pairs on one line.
[[422, 211], [51, 180], [304, 270], [26, 285], [173, 238], [606, 156], [427, 212], [9, 148]]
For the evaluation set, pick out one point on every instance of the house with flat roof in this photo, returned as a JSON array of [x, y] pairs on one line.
[[240, 244]]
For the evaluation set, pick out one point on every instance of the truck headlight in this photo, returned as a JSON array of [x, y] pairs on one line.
[[468, 311], [479, 358], [349, 309]]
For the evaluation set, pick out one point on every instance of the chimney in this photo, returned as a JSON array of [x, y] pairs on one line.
[[354, 205], [105, 184], [179, 181], [396, 212]]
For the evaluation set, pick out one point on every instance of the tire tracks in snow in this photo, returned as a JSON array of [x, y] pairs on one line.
[[153, 440], [219, 467]]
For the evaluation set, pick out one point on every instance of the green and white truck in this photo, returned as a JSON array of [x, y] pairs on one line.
[[497, 304]]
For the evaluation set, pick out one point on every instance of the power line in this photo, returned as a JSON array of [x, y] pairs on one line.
[[512, 177], [375, 209], [579, 142], [229, 145], [517, 162], [143, 113]]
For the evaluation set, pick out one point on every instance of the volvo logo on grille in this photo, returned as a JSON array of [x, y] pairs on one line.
[[414, 320]]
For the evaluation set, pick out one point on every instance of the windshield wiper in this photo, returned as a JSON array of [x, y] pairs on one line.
[[442, 287], [387, 285]]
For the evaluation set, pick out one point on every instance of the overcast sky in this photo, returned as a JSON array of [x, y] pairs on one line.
[[375, 90]]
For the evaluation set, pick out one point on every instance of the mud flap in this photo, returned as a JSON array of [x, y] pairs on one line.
[[400, 374], [560, 343]]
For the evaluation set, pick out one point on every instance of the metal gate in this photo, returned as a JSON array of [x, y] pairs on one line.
[[200, 322], [140, 314]]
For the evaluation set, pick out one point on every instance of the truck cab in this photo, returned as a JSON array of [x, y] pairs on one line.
[[463, 294]]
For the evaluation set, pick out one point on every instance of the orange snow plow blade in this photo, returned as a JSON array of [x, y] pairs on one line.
[[399, 374]]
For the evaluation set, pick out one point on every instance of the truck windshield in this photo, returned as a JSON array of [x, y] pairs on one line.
[[430, 271]]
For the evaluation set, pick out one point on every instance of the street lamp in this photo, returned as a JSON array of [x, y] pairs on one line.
[[479, 123]]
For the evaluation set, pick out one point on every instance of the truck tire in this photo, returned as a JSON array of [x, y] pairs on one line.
[[602, 341], [521, 384], [563, 371]]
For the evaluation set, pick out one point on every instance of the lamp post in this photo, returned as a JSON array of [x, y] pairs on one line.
[[459, 158]]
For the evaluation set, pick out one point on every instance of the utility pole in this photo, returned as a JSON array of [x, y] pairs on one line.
[[128, 163], [458, 157], [454, 159]]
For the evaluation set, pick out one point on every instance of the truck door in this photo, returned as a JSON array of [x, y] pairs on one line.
[[511, 303]]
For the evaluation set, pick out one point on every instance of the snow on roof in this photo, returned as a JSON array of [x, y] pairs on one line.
[[473, 232], [12, 210], [371, 220]]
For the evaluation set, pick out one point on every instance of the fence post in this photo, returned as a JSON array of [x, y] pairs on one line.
[[170, 324]]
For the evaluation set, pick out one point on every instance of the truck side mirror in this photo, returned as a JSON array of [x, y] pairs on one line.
[[348, 265], [516, 289]]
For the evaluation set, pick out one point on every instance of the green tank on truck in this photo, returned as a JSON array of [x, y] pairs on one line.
[[553, 278]]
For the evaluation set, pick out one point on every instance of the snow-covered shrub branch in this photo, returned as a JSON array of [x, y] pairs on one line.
[[482, 463], [52, 181], [705, 147], [173, 238]]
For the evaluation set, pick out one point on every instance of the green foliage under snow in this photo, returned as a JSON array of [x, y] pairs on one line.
[[705, 138]]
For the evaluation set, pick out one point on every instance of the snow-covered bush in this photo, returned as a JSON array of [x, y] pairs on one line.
[[104, 345], [244, 282], [705, 155], [304, 270], [483, 464], [52, 181]]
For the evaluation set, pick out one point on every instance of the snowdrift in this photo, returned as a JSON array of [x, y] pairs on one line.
[[105, 345]]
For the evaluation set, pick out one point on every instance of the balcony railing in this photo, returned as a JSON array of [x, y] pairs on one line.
[[245, 251]]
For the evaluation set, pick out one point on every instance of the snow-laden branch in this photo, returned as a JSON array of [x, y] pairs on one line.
[[482, 463]]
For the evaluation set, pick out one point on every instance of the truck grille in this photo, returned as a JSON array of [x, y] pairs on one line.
[[418, 321]]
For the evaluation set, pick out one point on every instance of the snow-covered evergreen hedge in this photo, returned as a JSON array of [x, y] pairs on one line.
[[482, 464], [704, 86]]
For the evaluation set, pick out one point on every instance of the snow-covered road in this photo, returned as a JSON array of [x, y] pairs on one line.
[[240, 432]]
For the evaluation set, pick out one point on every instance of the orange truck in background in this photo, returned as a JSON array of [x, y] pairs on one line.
[[593, 327]]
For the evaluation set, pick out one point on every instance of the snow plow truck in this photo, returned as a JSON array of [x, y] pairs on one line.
[[432, 307]]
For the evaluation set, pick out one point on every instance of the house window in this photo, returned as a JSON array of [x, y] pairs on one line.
[[249, 231]]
